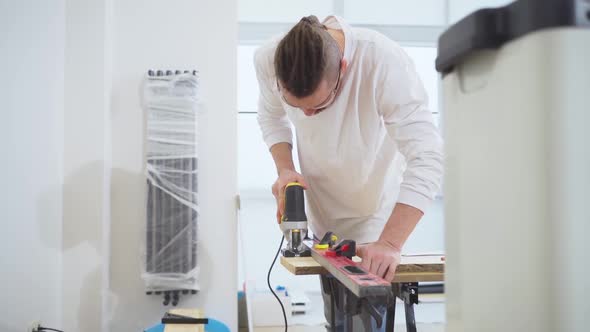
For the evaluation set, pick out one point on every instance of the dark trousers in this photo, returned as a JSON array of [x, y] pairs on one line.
[[333, 294]]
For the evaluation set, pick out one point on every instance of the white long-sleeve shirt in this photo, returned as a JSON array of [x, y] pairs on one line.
[[374, 146]]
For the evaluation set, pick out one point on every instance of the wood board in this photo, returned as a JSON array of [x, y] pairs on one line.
[[195, 313], [413, 268]]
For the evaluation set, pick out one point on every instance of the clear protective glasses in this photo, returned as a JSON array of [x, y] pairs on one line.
[[327, 102]]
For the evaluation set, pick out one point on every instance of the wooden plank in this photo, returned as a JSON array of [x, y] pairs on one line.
[[412, 268], [196, 313], [302, 265], [419, 277], [422, 263]]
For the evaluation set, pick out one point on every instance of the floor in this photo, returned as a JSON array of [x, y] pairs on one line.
[[299, 328]]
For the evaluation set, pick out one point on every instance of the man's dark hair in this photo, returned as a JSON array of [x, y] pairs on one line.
[[305, 56]]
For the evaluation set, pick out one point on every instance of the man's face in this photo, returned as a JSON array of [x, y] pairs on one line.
[[313, 104], [323, 96]]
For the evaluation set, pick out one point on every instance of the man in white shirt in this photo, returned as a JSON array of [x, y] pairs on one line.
[[370, 154]]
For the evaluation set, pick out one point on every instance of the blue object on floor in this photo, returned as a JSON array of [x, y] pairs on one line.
[[216, 326], [156, 328], [212, 326]]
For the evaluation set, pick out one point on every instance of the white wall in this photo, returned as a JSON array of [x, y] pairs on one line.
[[174, 34], [86, 165], [31, 149], [70, 91], [282, 11]]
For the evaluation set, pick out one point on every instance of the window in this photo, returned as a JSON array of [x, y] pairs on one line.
[[415, 12], [247, 83], [424, 58], [415, 26], [256, 174]]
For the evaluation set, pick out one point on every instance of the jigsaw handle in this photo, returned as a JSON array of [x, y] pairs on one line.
[[294, 203]]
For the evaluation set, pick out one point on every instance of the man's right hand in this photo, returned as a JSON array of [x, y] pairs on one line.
[[286, 176]]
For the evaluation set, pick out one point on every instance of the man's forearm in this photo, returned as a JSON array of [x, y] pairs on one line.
[[281, 154], [400, 225]]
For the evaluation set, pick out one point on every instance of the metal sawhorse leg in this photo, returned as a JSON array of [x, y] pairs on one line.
[[407, 292], [351, 305]]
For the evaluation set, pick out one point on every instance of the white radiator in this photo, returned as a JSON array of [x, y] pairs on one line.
[[171, 105]]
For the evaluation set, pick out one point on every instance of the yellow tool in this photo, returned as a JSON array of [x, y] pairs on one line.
[[294, 221], [327, 241]]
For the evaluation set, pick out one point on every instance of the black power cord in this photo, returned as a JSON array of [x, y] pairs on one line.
[[268, 282]]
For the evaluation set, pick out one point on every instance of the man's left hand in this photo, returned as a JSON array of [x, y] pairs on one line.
[[380, 258]]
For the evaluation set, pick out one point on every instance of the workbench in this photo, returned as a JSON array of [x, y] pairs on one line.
[[412, 270]]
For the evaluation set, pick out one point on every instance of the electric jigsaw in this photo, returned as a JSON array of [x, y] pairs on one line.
[[294, 221]]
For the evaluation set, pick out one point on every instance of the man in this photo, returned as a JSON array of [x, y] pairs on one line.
[[369, 152]]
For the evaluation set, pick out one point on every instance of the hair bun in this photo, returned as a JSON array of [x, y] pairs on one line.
[[310, 20]]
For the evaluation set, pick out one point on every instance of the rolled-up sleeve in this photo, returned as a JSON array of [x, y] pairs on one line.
[[403, 104], [272, 118]]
